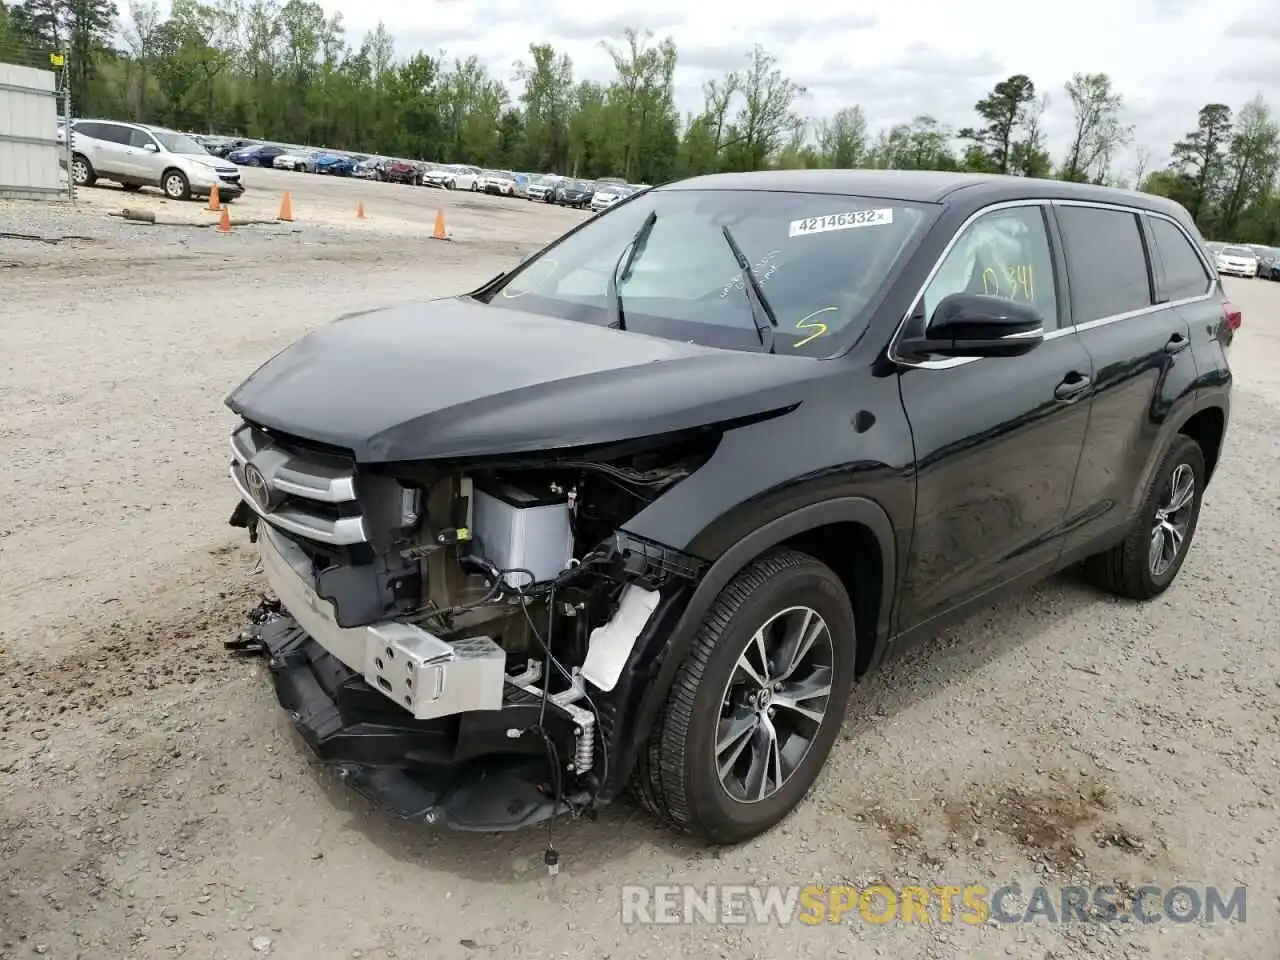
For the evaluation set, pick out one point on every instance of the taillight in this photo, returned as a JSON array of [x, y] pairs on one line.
[[1231, 314]]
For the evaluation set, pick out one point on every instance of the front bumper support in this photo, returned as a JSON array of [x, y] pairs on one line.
[[477, 771]]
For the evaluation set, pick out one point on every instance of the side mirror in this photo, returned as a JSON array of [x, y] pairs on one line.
[[976, 325], [150, 148]]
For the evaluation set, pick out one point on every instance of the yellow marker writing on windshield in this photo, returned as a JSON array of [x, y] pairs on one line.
[[537, 282], [817, 326]]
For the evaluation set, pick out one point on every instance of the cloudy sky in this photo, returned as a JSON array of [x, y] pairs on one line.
[[898, 60]]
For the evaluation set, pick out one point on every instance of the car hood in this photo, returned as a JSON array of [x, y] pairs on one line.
[[221, 166], [457, 378]]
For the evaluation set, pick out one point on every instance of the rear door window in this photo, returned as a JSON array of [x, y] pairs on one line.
[[1106, 260], [1185, 275], [113, 133]]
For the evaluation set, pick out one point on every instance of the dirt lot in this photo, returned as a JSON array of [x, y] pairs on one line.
[[155, 803]]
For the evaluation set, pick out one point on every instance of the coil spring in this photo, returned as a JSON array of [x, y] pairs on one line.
[[584, 756]]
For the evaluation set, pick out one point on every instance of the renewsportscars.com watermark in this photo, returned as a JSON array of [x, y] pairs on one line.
[[815, 904]]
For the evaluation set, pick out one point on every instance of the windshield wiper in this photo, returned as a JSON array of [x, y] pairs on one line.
[[762, 314], [623, 265]]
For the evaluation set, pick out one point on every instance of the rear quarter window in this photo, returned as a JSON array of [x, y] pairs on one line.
[[1106, 261], [1185, 275]]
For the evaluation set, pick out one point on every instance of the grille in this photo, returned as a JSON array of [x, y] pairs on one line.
[[307, 493]]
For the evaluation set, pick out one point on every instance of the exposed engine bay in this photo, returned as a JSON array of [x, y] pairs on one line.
[[491, 605]]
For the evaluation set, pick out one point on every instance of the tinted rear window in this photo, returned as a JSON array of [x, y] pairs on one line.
[[1184, 272], [1107, 262]]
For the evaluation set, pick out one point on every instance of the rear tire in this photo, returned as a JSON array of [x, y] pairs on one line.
[[719, 717], [1142, 567]]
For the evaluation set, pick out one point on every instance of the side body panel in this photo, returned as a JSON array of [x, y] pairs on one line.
[[1144, 388]]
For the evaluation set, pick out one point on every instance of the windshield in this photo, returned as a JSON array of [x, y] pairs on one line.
[[821, 260], [179, 143], [1237, 252]]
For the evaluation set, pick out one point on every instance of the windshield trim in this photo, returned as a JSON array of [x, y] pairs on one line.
[[842, 341]]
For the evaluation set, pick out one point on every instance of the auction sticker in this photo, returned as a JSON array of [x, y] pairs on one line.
[[840, 221]]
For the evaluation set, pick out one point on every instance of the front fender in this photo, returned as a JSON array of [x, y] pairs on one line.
[[667, 639]]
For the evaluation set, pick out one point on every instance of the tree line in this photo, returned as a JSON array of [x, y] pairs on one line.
[[285, 71]]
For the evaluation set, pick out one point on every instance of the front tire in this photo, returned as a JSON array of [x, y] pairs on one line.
[[1146, 562], [757, 704], [82, 172], [175, 186]]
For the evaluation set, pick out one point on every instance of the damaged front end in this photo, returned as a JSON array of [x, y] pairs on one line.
[[466, 641]]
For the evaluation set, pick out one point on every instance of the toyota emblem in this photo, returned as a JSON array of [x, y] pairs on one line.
[[258, 486]]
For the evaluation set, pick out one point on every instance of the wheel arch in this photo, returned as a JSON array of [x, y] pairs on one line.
[[852, 535], [1207, 427]]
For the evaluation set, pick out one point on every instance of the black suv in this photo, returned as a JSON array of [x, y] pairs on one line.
[[641, 511]]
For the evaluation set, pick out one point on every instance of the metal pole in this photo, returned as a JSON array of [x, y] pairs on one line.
[[66, 116]]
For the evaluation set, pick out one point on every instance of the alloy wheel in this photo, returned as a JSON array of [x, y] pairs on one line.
[[1173, 518], [79, 172], [773, 704], [174, 186]]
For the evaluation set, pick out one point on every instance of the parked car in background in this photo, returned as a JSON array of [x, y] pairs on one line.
[[403, 171], [370, 169], [221, 146], [443, 176], [607, 194], [258, 155], [501, 182], [574, 193], [335, 164], [467, 177], [1238, 261], [1268, 262], [300, 161], [542, 188], [136, 155]]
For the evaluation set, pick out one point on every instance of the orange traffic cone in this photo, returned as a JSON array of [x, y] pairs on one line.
[[286, 208], [439, 233], [214, 205], [360, 210], [224, 225]]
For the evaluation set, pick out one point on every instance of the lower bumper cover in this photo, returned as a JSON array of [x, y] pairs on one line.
[[479, 771]]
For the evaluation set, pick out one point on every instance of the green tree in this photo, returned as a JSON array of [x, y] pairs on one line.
[[1253, 158], [1005, 111], [1200, 155], [1097, 130]]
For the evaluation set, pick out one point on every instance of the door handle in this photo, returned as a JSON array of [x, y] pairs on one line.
[[1177, 343], [1074, 384]]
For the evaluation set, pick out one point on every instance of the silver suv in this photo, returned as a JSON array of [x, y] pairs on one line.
[[136, 155]]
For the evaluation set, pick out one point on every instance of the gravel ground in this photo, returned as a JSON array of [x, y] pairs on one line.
[[155, 803]]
